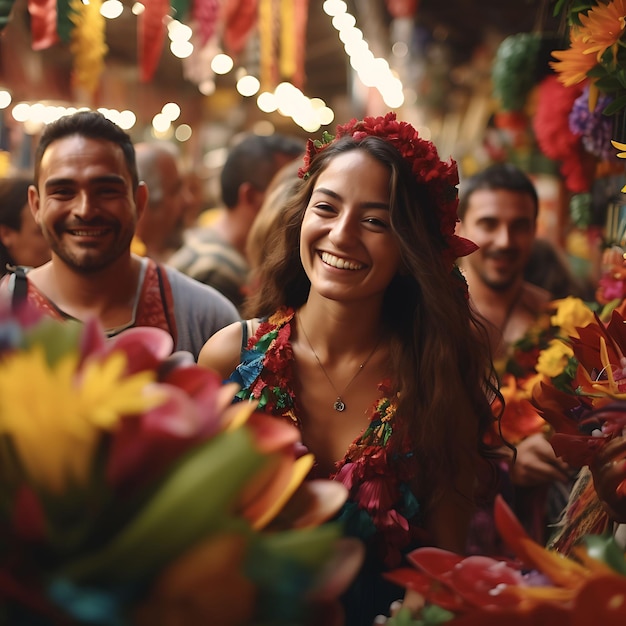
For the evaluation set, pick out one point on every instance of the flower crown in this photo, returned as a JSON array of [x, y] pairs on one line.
[[438, 178]]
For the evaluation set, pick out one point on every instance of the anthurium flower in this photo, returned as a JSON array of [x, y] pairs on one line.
[[55, 430], [557, 407], [144, 446]]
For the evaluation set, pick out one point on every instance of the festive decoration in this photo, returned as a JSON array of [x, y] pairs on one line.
[[555, 138], [577, 392], [239, 19], [596, 53], [87, 44], [151, 32], [131, 492], [438, 178], [206, 15], [300, 20], [514, 69], [268, 42], [43, 15], [538, 588]]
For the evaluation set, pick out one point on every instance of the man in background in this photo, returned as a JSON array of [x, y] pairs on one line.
[[87, 199], [21, 239], [215, 255], [498, 211], [160, 228]]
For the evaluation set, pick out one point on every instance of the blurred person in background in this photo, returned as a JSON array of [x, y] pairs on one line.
[[21, 240], [264, 231], [160, 228], [498, 210], [215, 255], [547, 267]]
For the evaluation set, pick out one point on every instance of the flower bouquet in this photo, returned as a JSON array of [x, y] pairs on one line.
[[131, 492], [580, 389], [538, 588]]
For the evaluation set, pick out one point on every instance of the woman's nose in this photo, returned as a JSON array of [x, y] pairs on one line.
[[343, 230]]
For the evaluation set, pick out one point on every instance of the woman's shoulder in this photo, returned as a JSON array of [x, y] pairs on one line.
[[222, 350]]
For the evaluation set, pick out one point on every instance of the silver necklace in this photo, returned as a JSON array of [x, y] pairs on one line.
[[339, 404]]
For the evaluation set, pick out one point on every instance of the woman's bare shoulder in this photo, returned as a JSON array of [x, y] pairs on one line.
[[222, 352]]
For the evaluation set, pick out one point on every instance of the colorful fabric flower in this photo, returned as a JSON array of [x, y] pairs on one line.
[[381, 507]]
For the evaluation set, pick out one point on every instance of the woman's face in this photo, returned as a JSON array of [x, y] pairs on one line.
[[347, 247]]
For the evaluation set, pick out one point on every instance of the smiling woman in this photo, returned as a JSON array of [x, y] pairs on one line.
[[363, 327]]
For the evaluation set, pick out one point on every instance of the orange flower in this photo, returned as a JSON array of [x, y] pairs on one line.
[[574, 63], [603, 26]]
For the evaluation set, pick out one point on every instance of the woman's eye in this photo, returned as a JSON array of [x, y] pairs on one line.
[[321, 206], [377, 223]]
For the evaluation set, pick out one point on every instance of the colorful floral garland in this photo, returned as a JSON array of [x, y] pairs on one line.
[[381, 507]]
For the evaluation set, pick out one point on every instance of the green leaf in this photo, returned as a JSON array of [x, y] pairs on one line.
[[558, 7], [57, 338], [615, 106], [604, 548], [193, 502]]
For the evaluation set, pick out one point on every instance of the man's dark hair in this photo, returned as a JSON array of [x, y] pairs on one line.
[[13, 199], [498, 176], [253, 160], [91, 124]]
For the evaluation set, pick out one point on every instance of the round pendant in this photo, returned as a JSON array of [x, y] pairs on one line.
[[339, 405]]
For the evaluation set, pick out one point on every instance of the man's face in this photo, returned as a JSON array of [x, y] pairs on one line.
[[502, 223], [84, 202]]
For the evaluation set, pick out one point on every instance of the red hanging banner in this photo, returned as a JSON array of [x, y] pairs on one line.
[[151, 31], [43, 23]]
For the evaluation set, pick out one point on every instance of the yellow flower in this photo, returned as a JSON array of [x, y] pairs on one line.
[[602, 27], [55, 418], [573, 64], [553, 359], [619, 146], [572, 313]]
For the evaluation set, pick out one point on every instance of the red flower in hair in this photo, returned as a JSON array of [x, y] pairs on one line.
[[439, 178]]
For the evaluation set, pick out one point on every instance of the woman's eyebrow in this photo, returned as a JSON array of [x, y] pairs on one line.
[[364, 205]]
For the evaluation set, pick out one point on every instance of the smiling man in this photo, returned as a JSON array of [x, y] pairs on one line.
[[498, 211], [87, 199]]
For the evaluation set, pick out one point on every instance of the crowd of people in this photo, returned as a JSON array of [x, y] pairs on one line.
[[345, 288]]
